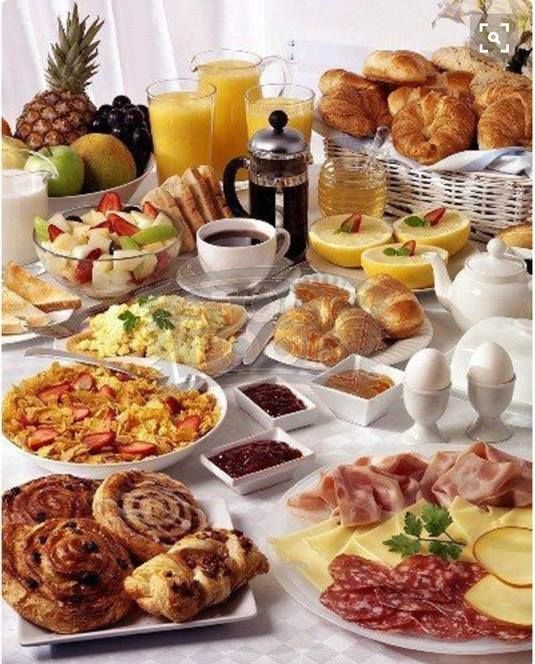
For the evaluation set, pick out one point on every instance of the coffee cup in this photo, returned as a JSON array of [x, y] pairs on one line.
[[240, 252]]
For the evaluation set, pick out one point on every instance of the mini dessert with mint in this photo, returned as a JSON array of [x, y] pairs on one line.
[[107, 251]]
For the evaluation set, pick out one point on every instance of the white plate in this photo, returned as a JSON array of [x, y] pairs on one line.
[[100, 471], [55, 317], [283, 522], [240, 606], [397, 352], [192, 278], [319, 264]]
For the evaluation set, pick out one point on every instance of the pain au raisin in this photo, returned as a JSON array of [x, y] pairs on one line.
[[89, 579]]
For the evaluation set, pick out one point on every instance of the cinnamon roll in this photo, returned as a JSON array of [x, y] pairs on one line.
[[147, 512], [53, 496], [66, 575]]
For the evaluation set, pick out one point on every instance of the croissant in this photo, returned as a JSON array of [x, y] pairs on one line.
[[498, 89], [334, 78], [357, 112], [507, 121], [433, 127], [392, 304], [201, 570], [400, 67], [327, 330], [456, 83]]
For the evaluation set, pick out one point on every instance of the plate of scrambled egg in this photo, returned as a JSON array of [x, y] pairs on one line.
[[91, 421], [198, 334]]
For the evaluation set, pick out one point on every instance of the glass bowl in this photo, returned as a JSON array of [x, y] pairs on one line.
[[113, 278]]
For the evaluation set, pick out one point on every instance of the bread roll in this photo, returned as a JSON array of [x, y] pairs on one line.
[[463, 58], [519, 235], [397, 67], [433, 127], [355, 111], [392, 305], [507, 121]]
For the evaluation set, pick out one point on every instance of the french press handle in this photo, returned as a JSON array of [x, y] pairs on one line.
[[229, 185]]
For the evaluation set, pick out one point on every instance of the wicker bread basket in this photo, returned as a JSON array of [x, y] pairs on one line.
[[492, 200]]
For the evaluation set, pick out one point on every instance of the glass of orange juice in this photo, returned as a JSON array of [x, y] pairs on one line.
[[232, 73], [181, 114], [296, 101]]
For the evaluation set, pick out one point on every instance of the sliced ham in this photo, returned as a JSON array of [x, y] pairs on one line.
[[315, 503], [440, 463]]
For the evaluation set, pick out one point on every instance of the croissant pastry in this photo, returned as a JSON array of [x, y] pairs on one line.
[[507, 121], [66, 575], [327, 330], [433, 127], [200, 570], [53, 496], [147, 512], [334, 78], [357, 112]]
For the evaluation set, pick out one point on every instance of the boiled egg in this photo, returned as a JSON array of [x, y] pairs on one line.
[[491, 365], [428, 371]]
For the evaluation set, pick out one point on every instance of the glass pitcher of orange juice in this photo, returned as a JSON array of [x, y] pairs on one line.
[[296, 101], [232, 73], [181, 119]]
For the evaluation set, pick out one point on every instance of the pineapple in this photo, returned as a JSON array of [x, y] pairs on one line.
[[64, 112]]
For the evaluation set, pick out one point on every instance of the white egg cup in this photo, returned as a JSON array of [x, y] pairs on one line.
[[489, 402], [425, 407]]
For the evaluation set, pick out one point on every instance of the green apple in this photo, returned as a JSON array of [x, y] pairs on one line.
[[157, 233], [41, 229], [65, 166]]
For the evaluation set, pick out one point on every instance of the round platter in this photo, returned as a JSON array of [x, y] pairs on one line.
[[100, 471], [319, 264], [397, 352], [282, 522]]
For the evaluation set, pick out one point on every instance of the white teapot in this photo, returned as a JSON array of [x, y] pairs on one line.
[[491, 283]]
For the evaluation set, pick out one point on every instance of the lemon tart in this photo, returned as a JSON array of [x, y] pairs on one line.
[[342, 238], [405, 262], [439, 227]]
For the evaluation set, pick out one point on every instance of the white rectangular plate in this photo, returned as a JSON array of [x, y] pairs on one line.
[[240, 606]]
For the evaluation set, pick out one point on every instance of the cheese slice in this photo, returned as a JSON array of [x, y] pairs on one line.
[[496, 599], [353, 548], [472, 521], [288, 546], [518, 516], [333, 542]]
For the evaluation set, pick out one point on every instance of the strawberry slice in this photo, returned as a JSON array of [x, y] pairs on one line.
[[107, 391], [41, 437], [192, 422], [140, 448], [27, 421], [411, 246], [150, 210], [173, 404], [79, 412], [121, 226], [351, 224], [54, 392], [109, 202], [103, 224], [83, 382], [434, 216], [95, 442], [84, 269], [53, 232]]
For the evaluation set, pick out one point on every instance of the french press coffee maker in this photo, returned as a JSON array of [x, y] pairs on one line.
[[278, 180]]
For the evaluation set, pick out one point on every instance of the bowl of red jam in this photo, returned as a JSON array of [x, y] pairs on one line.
[[259, 461], [275, 403]]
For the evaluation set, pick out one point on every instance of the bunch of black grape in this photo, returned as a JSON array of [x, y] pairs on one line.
[[130, 124]]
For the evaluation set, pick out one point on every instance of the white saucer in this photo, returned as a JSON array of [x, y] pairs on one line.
[[193, 279], [320, 264]]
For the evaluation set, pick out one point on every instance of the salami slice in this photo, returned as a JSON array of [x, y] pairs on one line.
[[421, 576], [359, 573], [487, 626], [396, 621], [459, 577], [401, 600], [445, 627], [354, 605]]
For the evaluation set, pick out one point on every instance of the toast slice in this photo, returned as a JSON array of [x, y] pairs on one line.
[[162, 200], [209, 176], [185, 201], [18, 314], [41, 294], [204, 197]]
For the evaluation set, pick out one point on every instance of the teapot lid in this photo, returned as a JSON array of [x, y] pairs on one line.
[[278, 141], [494, 265]]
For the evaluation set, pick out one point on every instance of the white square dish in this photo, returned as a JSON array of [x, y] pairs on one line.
[[262, 478], [240, 606], [355, 409], [299, 418]]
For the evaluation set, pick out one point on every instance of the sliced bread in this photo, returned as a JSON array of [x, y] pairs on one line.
[[40, 293]]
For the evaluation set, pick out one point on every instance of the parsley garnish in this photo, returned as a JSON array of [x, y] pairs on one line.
[[130, 320], [392, 251], [415, 221], [144, 299], [162, 319], [434, 521]]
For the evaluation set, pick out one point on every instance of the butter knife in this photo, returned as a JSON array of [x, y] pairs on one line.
[[261, 340]]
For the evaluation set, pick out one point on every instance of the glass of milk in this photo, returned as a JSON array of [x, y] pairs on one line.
[[24, 196]]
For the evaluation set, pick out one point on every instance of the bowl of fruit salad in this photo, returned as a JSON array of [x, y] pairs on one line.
[[107, 251]]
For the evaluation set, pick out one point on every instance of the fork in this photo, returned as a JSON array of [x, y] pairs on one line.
[[259, 288], [72, 325]]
